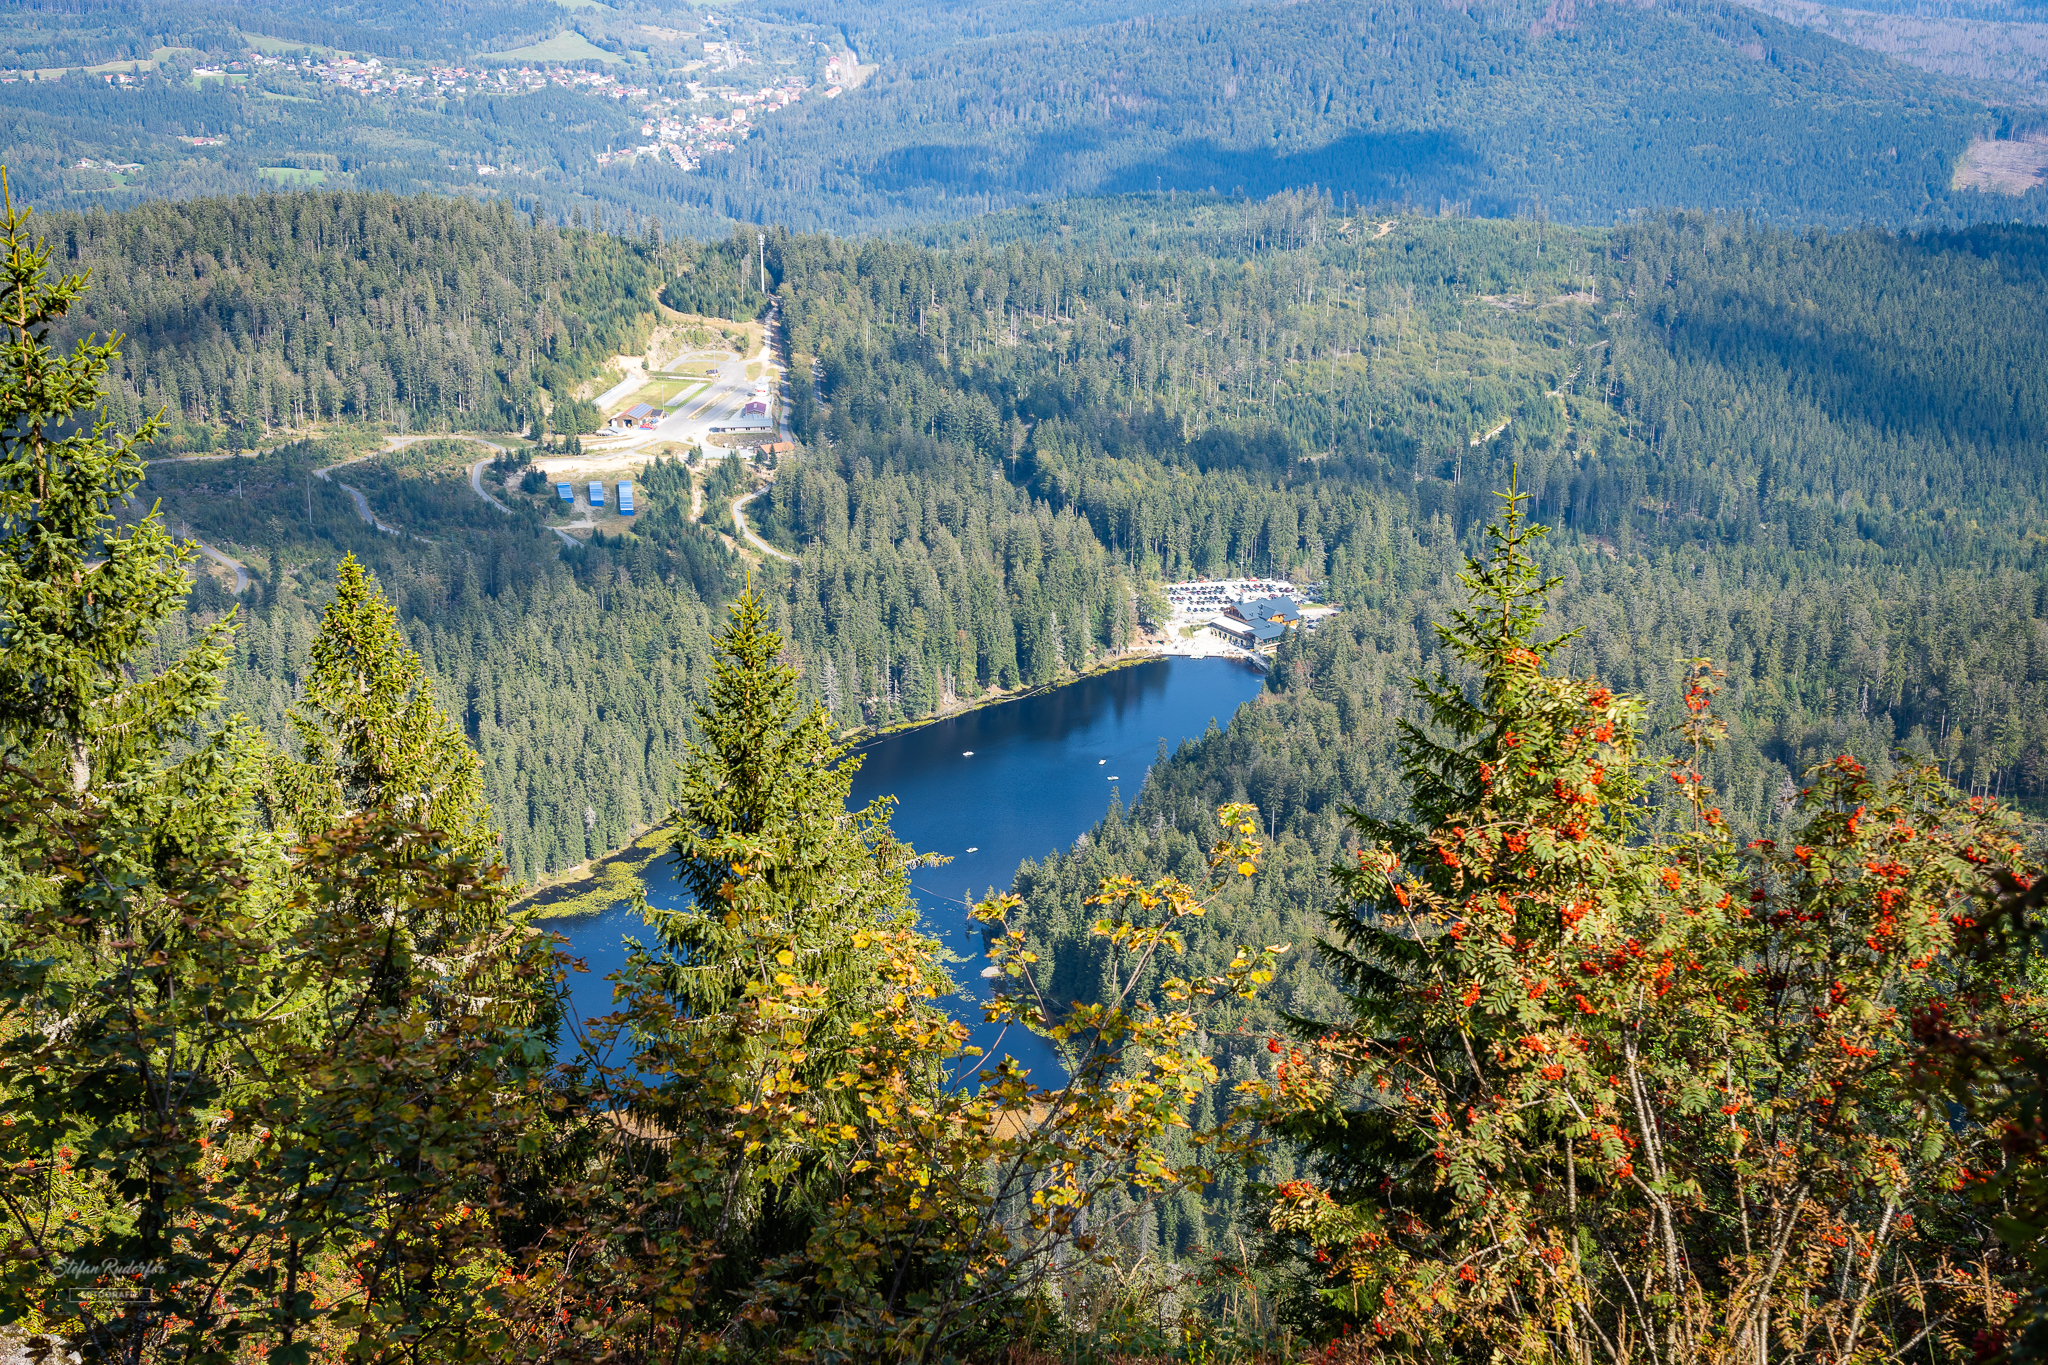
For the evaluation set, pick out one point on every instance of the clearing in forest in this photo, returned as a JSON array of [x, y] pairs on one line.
[[2011, 166]]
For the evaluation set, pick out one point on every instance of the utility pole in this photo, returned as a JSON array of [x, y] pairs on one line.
[[761, 240]]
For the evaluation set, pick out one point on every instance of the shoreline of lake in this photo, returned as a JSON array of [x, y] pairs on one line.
[[580, 892], [988, 789]]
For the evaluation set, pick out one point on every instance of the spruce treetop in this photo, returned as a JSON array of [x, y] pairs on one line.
[[770, 855], [374, 735]]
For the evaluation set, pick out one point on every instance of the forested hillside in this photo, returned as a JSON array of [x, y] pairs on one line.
[[1580, 111], [887, 33], [284, 1057], [573, 687], [1015, 438], [1691, 380], [248, 315], [55, 35]]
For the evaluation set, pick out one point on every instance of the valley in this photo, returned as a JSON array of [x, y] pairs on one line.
[[1194, 684], [1046, 483]]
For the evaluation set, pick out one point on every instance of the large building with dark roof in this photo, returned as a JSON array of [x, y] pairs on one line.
[[1248, 634], [1280, 609]]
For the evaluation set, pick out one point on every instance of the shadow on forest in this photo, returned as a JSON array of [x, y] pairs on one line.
[[1375, 167], [1851, 376], [1039, 165]]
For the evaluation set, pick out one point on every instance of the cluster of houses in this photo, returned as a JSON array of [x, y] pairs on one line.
[[373, 77], [683, 137], [671, 131]]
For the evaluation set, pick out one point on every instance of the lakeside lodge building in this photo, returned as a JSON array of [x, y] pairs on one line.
[[1257, 623]]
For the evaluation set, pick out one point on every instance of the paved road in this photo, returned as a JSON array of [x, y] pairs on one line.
[[476, 481], [632, 381], [747, 531]]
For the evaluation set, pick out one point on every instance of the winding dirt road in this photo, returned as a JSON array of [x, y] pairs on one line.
[[227, 562], [362, 503], [476, 482], [748, 532]]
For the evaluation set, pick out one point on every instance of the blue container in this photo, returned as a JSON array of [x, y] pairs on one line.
[[567, 492], [596, 493], [625, 497]]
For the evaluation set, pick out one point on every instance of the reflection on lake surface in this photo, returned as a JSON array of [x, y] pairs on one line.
[[1010, 782]]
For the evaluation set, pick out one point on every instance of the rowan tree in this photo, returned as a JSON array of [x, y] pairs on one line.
[[1603, 1096], [799, 1153]]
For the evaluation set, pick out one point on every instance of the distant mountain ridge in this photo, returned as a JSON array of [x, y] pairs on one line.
[[1581, 111], [2005, 46]]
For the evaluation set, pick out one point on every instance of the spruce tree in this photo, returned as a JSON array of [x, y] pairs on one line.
[[763, 843], [81, 594], [375, 743], [762, 993], [372, 733]]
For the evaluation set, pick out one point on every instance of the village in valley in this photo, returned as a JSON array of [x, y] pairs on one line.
[[713, 93]]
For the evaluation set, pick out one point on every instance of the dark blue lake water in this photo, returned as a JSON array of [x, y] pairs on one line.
[[989, 789]]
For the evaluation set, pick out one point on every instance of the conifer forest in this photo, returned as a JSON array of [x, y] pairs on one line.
[[480, 484]]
